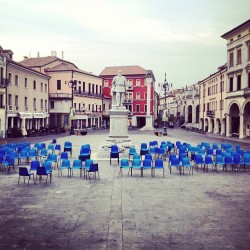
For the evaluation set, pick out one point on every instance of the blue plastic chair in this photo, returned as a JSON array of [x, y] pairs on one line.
[[132, 151], [174, 162], [84, 153], [51, 149], [68, 147], [146, 164], [34, 165], [93, 169], [236, 162], [45, 170], [53, 141], [43, 154], [57, 149], [63, 156], [52, 158], [124, 165], [148, 157], [23, 171], [158, 165], [198, 159], [210, 152], [228, 160], [215, 146], [219, 160], [136, 156], [8, 162], [144, 149], [186, 164], [65, 164], [23, 156], [114, 153], [161, 153], [136, 164], [88, 163], [77, 164], [32, 155], [209, 161], [246, 161], [152, 151]]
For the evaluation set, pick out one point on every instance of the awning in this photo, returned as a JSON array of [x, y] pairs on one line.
[[25, 115]]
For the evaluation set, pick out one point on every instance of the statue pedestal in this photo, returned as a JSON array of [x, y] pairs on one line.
[[118, 124], [148, 125]]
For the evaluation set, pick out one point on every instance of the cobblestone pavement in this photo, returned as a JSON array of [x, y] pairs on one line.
[[200, 211]]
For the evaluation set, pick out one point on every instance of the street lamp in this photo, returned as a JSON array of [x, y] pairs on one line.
[[72, 84], [165, 87]]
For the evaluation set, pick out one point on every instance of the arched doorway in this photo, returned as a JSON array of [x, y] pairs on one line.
[[190, 114], [212, 126], [202, 124], [234, 113], [206, 124], [246, 120], [197, 113], [218, 126]]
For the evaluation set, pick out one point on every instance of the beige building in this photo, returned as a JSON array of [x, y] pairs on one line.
[[86, 98], [238, 87], [26, 96], [212, 102]]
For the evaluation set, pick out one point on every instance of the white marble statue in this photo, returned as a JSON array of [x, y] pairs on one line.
[[118, 90]]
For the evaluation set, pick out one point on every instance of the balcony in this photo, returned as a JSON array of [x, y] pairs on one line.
[[127, 101], [210, 113], [130, 88], [86, 93], [247, 93], [4, 82], [189, 96], [60, 96]]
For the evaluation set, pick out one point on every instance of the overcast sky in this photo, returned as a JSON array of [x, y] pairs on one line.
[[179, 37]]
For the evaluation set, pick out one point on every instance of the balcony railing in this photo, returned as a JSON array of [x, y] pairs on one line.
[[4, 82], [210, 113], [60, 95], [247, 93], [130, 87], [128, 101], [86, 93]]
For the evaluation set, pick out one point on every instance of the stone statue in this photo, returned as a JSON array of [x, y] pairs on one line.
[[118, 90]]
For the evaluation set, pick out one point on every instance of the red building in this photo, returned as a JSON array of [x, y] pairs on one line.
[[136, 96]]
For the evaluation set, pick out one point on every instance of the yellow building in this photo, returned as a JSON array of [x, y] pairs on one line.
[[238, 87], [87, 92]]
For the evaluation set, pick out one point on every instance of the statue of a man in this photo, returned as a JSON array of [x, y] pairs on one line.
[[118, 90]]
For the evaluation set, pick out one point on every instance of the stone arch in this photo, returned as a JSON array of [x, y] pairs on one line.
[[246, 119], [217, 126], [234, 116], [197, 111], [212, 125], [206, 124], [190, 114], [234, 102]]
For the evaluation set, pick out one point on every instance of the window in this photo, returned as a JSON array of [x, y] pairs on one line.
[[93, 88], [137, 108], [145, 96], [10, 78], [231, 59], [93, 107], [145, 108], [106, 83], [231, 81], [89, 87], [100, 90], [9, 99], [45, 87], [58, 84], [239, 56], [208, 91], [130, 83], [16, 80], [45, 105], [208, 107], [25, 82], [89, 107], [137, 96], [138, 82], [96, 89], [238, 82], [41, 86], [79, 89], [25, 101], [34, 103], [204, 107], [16, 100], [34, 84], [83, 86]]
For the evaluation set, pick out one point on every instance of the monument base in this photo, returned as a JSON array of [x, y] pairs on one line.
[[148, 125]]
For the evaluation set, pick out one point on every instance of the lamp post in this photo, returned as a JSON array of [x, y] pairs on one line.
[[72, 84], [165, 87]]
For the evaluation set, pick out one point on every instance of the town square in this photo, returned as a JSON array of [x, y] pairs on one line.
[[124, 124]]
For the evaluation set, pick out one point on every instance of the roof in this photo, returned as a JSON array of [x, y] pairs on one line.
[[41, 61], [236, 28], [126, 70], [68, 67]]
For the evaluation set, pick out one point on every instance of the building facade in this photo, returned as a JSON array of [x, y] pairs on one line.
[[212, 102], [85, 96], [136, 95], [238, 87]]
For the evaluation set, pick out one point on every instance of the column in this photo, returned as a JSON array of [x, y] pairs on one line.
[[228, 126], [241, 132], [222, 132], [24, 132], [11, 122]]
